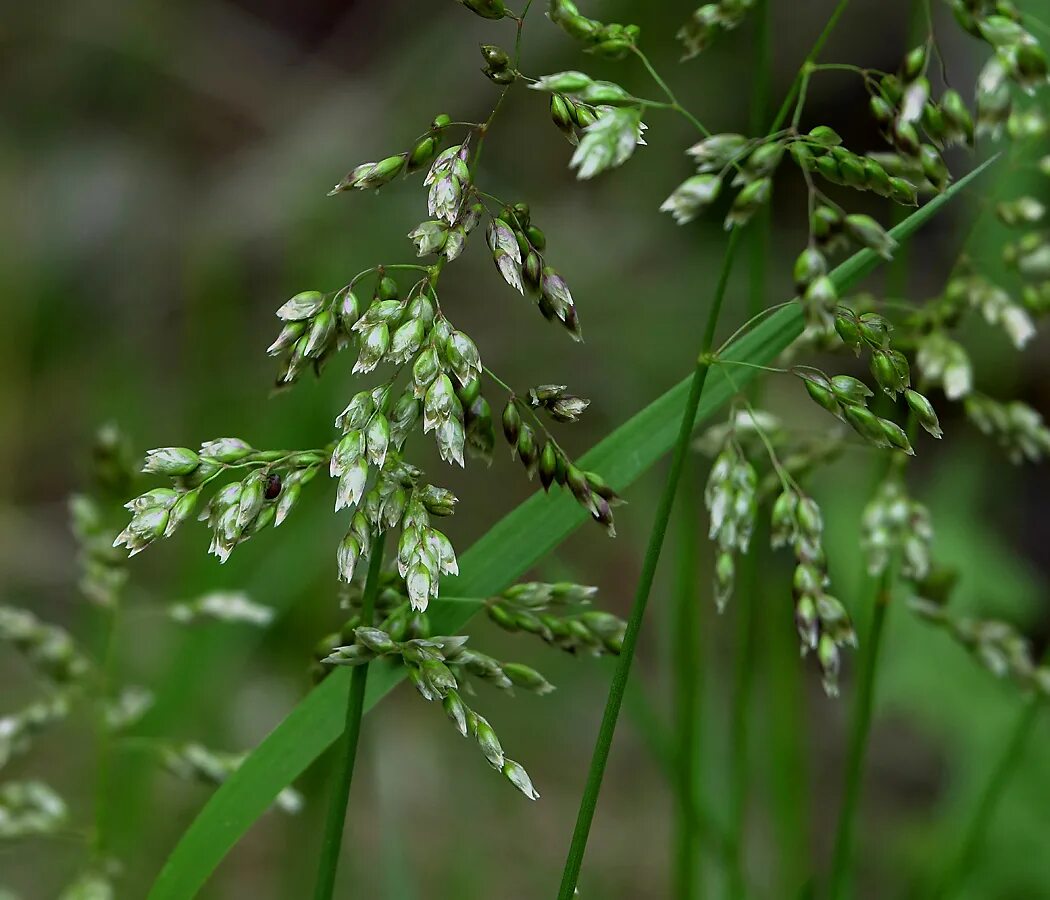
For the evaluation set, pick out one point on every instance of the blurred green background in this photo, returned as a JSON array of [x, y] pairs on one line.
[[164, 168]]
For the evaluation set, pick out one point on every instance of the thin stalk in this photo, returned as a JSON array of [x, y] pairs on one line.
[[589, 801], [673, 105], [856, 752], [347, 753], [860, 727], [789, 769], [104, 764], [688, 669], [860, 724], [988, 802], [749, 581], [803, 73], [897, 272]]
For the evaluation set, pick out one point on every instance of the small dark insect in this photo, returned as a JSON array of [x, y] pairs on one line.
[[273, 487]]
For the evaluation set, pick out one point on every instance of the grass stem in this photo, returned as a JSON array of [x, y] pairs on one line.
[[347, 748], [856, 751], [596, 773], [688, 671], [749, 581], [988, 801]]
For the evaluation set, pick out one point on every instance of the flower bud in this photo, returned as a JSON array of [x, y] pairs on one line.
[[487, 741], [226, 450], [406, 341], [751, 198], [527, 450], [422, 154], [181, 510], [809, 266], [528, 678], [456, 711], [356, 413], [348, 451], [302, 306], [885, 372], [495, 57], [903, 192], [896, 435], [924, 412], [866, 424], [463, 356], [429, 237], [487, 9], [516, 775], [377, 439], [351, 485], [866, 231], [847, 328], [849, 389], [914, 63], [548, 464], [375, 342], [438, 501], [874, 329], [322, 327], [511, 422], [561, 114], [383, 171], [171, 461], [379, 642]]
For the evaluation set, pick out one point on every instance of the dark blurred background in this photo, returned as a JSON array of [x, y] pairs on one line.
[[164, 169]]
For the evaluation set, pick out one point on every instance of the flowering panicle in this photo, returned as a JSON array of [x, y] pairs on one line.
[[237, 511], [371, 175], [996, 645], [126, 707], [195, 762], [895, 525], [30, 809], [539, 454], [846, 398], [222, 606], [50, 650], [439, 667], [709, 22], [517, 246], [610, 41], [1017, 428], [823, 624], [600, 117], [547, 610], [18, 729], [1017, 58], [70, 679], [733, 495], [730, 498]]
